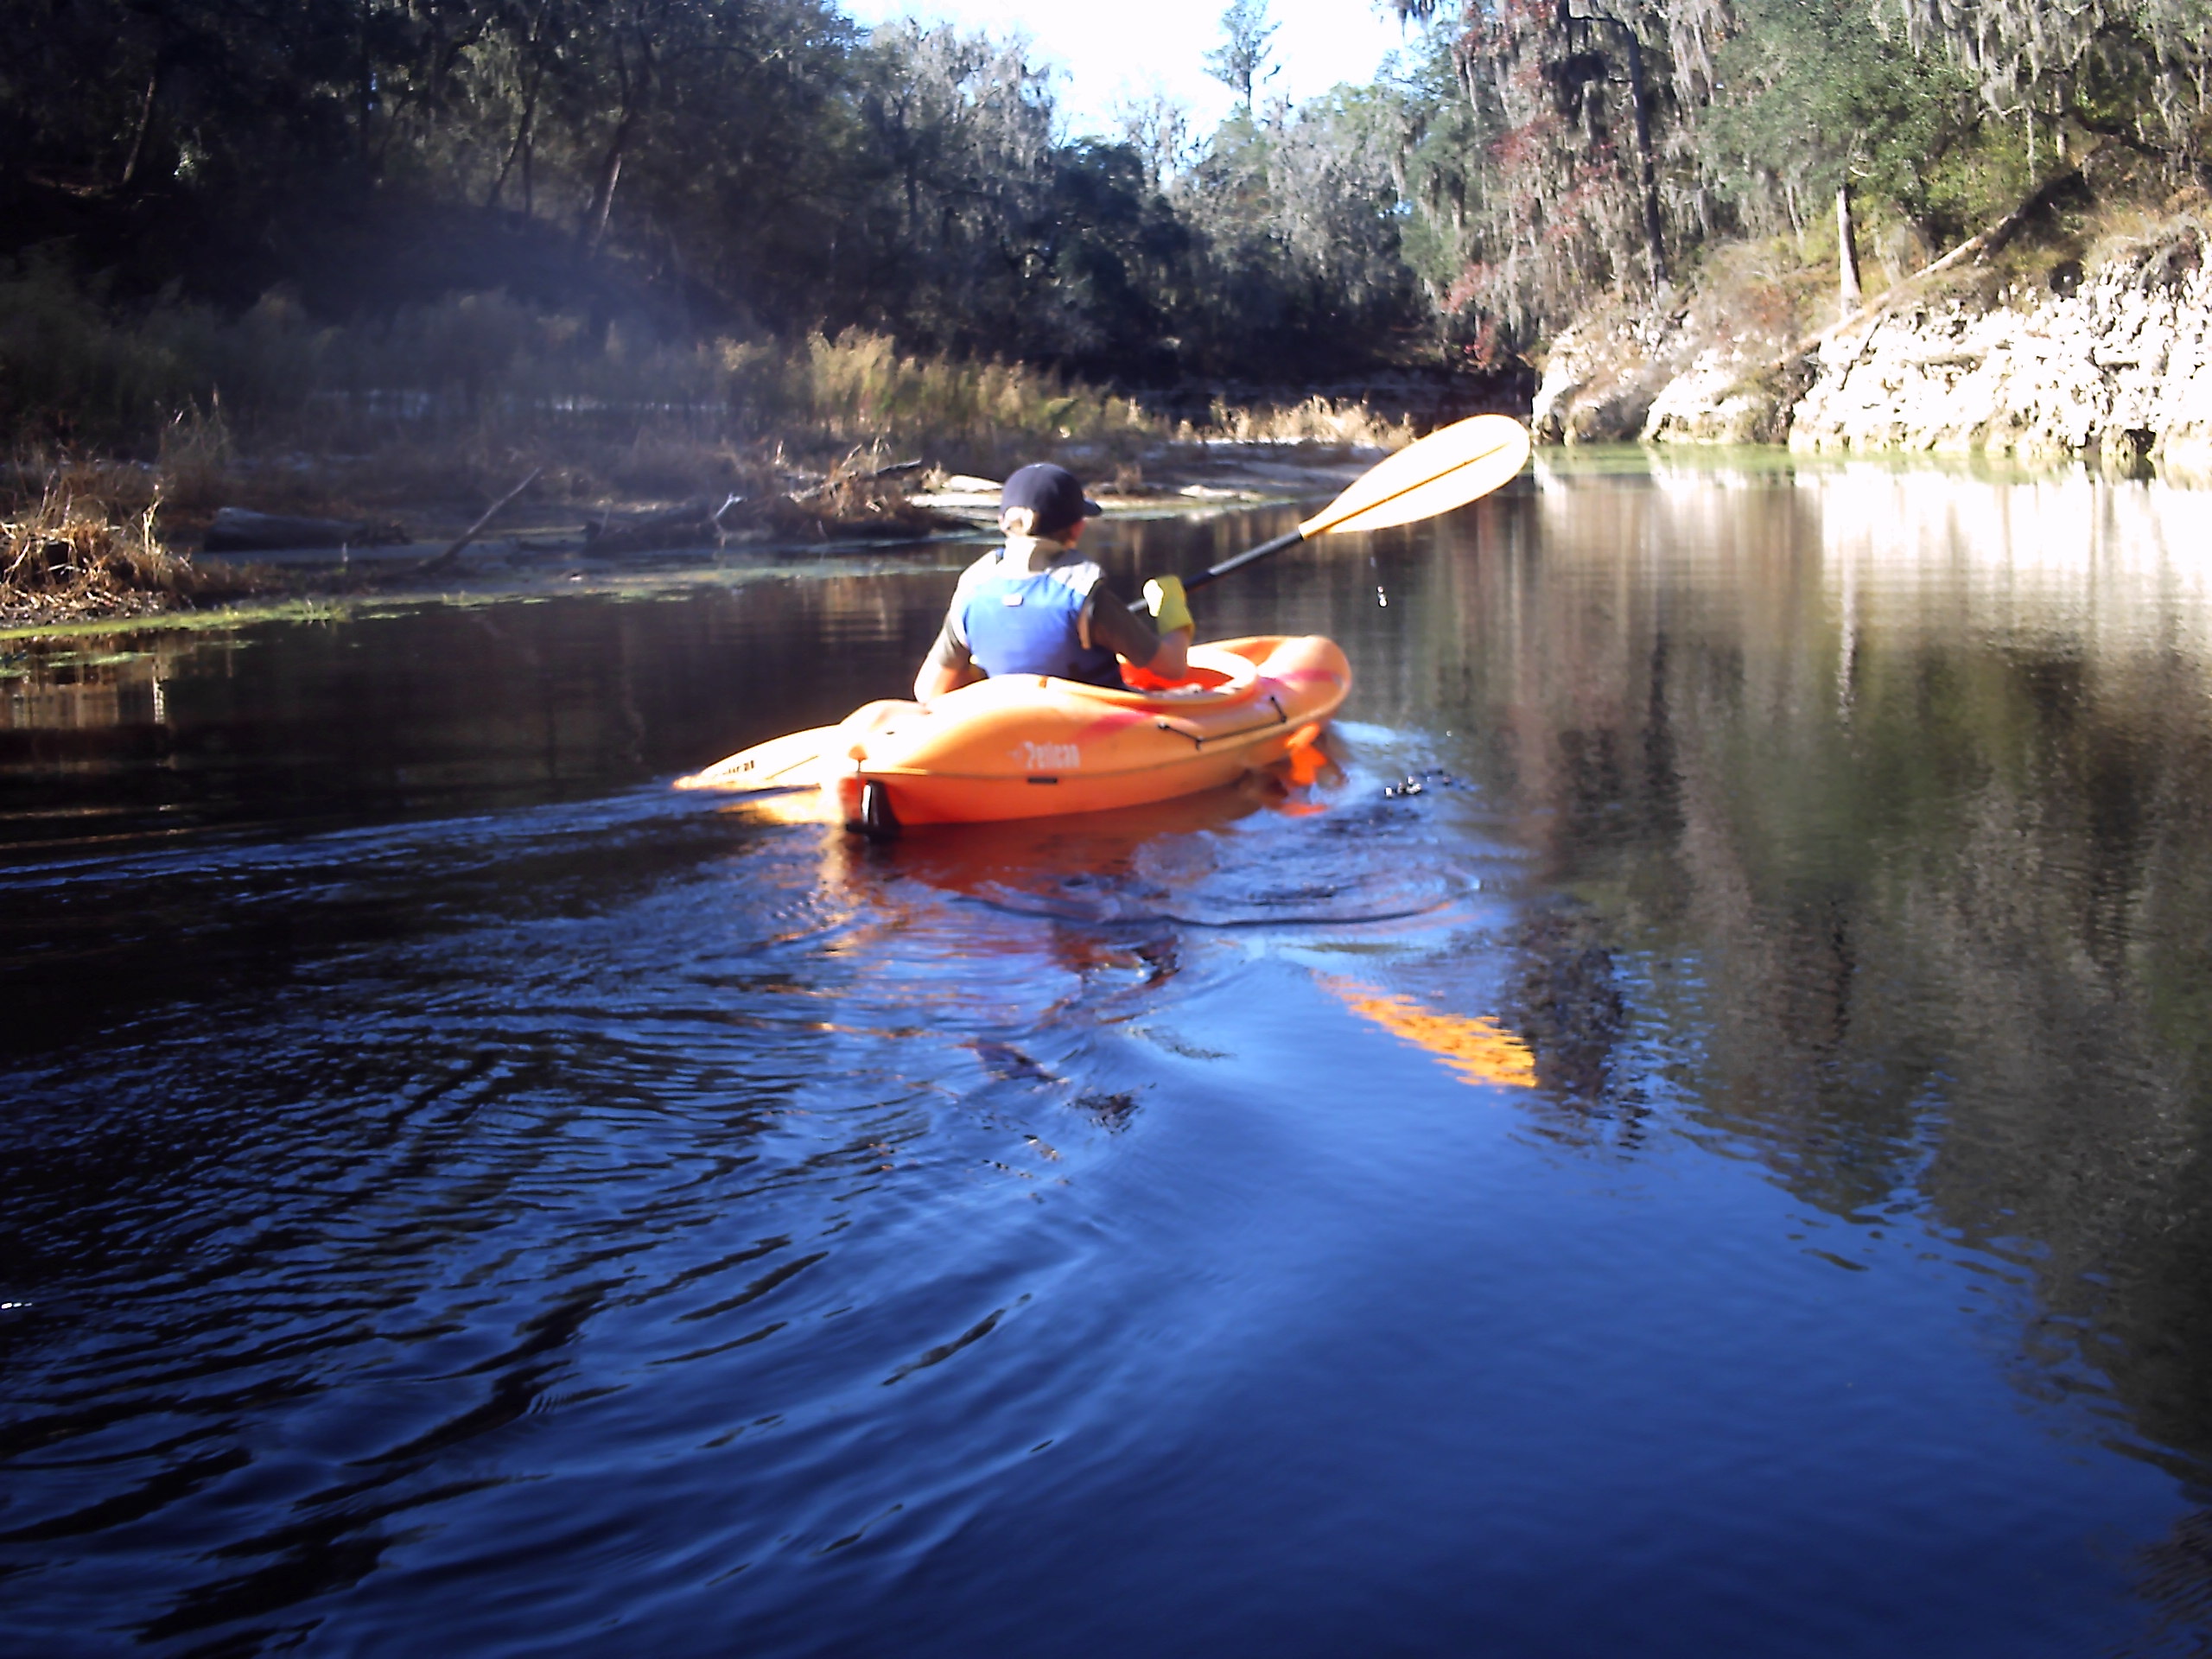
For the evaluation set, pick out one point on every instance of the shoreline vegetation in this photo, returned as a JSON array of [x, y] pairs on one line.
[[390, 439], [736, 265], [147, 436], [2077, 328]]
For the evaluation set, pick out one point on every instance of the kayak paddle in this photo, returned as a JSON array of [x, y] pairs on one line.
[[1448, 468], [780, 763]]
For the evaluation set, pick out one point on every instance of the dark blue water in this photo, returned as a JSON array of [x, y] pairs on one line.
[[1717, 1171]]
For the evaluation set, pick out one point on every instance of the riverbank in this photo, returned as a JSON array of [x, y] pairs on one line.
[[96, 545], [146, 438], [2049, 337]]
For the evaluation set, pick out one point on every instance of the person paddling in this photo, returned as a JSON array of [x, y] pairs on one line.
[[1037, 605]]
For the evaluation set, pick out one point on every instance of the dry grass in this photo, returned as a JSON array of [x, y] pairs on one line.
[[860, 388], [477, 377], [196, 455], [79, 540], [481, 369], [1318, 420]]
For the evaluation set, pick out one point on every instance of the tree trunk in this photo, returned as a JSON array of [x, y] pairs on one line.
[[533, 78], [516, 151], [1847, 252], [1647, 168], [365, 95], [138, 138], [610, 175], [1654, 249]]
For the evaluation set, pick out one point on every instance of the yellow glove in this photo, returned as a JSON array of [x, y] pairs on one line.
[[1163, 595]]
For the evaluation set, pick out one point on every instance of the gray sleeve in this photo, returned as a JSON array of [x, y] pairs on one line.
[[1115, 627], [951, 648], [953, 630], [951, 651]]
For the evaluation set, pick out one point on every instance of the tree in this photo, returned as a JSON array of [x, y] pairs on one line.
[[1813, 99], [1157, 127], [1241, 61]]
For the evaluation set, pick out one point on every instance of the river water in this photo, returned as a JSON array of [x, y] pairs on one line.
[[1717, 1170]]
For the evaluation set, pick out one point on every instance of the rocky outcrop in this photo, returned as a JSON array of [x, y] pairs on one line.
[[1602, 376], [2119, 370], [1729, 394], [1688, 376], [2115, 368]]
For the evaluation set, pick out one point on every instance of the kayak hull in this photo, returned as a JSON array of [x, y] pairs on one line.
[[1026, 745]]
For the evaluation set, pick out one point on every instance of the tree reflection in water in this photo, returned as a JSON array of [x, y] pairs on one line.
[[1885, 797]]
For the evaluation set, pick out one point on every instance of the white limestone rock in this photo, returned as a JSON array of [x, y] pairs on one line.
[[1729, 394], [1602, 375], [2119, 370]]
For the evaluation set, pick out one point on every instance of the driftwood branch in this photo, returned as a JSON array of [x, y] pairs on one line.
[[895, 469], [442, 561]]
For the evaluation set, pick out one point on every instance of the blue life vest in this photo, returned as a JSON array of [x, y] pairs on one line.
[[1025, 622]]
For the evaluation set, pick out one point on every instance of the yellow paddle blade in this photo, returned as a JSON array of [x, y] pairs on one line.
[[780, 763], [1447, 469]]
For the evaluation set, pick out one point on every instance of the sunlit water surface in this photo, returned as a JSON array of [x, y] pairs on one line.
[[1717, 1171]]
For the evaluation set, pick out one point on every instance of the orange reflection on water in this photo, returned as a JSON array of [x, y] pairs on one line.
[[1478, 1049]]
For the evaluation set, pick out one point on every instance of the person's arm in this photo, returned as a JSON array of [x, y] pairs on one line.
[[947, 668], [1131, 636]]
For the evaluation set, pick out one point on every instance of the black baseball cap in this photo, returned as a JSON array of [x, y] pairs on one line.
[[1054, 494]]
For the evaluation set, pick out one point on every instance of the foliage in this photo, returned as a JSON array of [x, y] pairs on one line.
[[1240, 63], [471, 362], [750, 168], [1597, 147], [1297, 215], [278, 203], [1814, 97]]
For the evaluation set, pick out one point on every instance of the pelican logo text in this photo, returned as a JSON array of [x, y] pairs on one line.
[[1049, 757]]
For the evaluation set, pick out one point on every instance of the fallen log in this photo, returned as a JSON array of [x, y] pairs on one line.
[[695, 524], [850, 515], [239, 530]]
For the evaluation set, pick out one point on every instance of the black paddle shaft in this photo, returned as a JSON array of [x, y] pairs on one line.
[[1216, 572]]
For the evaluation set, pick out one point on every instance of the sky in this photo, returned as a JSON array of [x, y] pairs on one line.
[[1117, 48]]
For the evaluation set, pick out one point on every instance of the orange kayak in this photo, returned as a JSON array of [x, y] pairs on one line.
[[1024, 745]]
